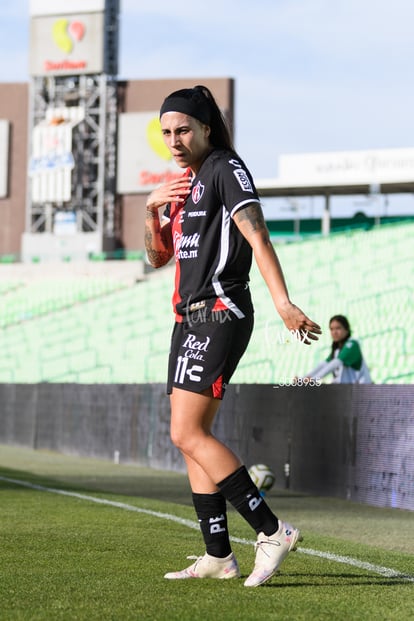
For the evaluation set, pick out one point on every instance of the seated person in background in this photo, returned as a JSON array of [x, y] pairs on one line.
[[345, 361]]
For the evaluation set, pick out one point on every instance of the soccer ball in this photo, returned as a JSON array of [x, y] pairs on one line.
[[262, 476]]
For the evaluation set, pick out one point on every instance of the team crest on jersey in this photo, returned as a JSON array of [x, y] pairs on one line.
[[243, 179], [197, 193]]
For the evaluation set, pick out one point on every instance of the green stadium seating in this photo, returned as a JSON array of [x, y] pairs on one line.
[[102, 330]]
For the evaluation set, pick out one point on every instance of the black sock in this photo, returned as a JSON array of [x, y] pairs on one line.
[[212, 516], [239, 489]]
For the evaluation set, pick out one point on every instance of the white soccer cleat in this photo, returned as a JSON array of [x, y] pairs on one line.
[[208, 567], [271, 552]]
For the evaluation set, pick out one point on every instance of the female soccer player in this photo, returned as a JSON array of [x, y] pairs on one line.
[[212, 224]]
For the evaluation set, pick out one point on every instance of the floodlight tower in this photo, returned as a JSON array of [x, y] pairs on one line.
[[71, 208]]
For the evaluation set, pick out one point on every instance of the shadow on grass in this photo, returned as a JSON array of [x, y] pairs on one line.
[[326, 580], [169, 487], [121, 481]]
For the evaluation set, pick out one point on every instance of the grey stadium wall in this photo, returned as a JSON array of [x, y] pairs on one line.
[[345, 441]]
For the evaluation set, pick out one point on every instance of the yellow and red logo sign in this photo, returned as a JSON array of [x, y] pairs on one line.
[[66, 34], [156, 141]]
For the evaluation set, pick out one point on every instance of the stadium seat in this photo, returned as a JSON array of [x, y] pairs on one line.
[[103, 330]]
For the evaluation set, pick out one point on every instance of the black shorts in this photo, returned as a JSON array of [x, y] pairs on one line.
[[206, 352]]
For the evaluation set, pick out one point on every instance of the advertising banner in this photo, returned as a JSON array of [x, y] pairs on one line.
[[143, 158], [4, 157], [67, 44], [52, 162], [348, 167]]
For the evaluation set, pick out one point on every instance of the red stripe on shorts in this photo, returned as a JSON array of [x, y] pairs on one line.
[[218, 388]]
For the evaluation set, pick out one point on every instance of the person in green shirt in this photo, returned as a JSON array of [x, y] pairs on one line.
[[345, 360]]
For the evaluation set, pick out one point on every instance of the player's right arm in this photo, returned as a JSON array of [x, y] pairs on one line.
[[158, 235], [158, 239]]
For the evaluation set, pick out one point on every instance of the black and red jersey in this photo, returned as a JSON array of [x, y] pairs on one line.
[[213, 259]]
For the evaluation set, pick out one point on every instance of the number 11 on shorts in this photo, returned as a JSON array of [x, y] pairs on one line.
[[181, 371]]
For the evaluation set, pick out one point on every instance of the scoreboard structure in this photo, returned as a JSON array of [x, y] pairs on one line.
[[72, 134]]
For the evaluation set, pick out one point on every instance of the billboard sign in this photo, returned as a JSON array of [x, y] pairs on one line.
[[348, 167], [4, 157], [79, 39], [143, 159], [69, 44], [52, 161]]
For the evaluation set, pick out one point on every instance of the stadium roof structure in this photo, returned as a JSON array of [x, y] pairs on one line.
[[386, 171], [278, 187]]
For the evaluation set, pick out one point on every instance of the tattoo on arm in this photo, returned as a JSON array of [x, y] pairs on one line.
[[167, 239], [252, 215], [161, 255]]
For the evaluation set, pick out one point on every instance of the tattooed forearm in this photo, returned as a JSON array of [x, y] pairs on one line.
[[158, 258], [152, 215], [166, 239], [158, 243]]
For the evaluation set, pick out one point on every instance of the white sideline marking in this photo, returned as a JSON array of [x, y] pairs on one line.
[[378, 569]]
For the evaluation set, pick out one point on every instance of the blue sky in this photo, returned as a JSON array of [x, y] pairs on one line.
[[310, 75]]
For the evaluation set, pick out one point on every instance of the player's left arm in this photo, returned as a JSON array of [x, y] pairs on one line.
[[250, 222]]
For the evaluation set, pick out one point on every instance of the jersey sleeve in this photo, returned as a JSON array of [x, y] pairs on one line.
[[351, 355], [234, 183]]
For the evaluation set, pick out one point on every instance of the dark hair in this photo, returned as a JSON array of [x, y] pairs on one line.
[[345, 324], [199, 103]]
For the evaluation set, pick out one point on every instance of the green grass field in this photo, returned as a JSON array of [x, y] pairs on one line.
[[84, 539]]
